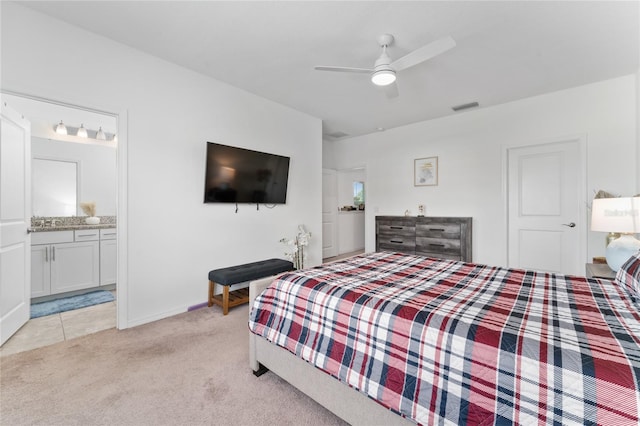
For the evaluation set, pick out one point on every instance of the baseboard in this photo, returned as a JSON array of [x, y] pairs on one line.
[[156, 317]]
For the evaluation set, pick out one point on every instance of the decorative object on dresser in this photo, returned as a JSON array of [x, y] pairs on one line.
[[440, 237], [425, 171]]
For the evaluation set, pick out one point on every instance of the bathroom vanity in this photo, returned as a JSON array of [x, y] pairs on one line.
[[70, 258]]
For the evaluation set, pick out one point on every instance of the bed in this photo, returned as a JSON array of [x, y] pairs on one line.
[[390, 338]]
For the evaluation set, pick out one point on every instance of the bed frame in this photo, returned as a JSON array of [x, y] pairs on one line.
[[345, 402]]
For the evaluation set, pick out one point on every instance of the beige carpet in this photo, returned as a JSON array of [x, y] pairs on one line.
[[191, 369]]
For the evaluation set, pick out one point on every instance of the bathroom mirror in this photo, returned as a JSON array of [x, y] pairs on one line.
[[54, 186]]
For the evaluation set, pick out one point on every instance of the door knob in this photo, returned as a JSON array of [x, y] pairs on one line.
[[570, 225]]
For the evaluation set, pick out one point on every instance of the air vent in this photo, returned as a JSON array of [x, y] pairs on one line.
[[465, 106], [336, 135]]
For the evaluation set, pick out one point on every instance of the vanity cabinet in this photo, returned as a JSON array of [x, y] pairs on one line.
[[108, 256], [63, 261]]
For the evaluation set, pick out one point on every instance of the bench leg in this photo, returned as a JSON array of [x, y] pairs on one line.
[[211, 287], [225, 299]]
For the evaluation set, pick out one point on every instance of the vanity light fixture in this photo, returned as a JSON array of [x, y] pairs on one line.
[[61, 129], [82, 132], [100, 135]]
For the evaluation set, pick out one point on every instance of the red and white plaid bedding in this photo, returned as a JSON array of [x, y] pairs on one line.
[[444, 342]]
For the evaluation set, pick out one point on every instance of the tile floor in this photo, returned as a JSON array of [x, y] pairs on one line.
[[56, 328]]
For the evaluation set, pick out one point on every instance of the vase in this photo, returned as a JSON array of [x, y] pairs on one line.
[[92, 220]]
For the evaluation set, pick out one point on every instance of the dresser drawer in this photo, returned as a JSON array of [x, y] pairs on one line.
[[438, 230], [405, 244], [440, 246], [397, 230]]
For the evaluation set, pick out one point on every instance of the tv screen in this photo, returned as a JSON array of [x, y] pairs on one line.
[[237, 175]]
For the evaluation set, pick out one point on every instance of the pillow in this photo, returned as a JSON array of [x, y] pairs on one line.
[[628, 276]]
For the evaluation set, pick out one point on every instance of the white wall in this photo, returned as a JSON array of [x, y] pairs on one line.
[[350, 231], [470, 147], [174, 239]]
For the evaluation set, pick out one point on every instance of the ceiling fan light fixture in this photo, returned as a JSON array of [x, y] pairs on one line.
[[383, 77]]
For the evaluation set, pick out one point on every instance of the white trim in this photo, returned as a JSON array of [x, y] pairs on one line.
[[582, 166], [122, 221], [122, 284], [156, 317]]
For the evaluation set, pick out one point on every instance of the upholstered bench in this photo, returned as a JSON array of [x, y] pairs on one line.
[[241, 273]]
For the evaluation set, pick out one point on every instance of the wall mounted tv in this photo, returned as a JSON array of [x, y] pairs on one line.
[[237, 175]]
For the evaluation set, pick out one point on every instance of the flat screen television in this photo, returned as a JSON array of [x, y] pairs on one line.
[[238, 175]]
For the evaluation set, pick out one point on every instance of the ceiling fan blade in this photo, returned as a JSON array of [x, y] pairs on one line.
[[424, 53], [391, 90], [345, 69]]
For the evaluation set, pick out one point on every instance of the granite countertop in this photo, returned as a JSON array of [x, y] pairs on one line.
[[71, 227], [68, 223]]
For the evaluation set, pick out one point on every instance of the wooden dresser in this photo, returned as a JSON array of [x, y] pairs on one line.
[[441, 237]]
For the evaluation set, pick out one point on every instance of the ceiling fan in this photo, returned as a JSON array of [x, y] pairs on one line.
[[384, 70]]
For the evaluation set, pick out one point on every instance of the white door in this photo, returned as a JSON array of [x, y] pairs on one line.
[[329, 213], [15, 216], [546, 195]]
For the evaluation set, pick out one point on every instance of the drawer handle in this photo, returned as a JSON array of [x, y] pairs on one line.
[[396, 227], [436, 245], [436, 229], [87, 235], [53, 254], [46, 254], [396, 241]]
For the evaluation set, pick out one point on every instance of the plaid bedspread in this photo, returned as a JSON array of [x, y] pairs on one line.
[[444, 342]]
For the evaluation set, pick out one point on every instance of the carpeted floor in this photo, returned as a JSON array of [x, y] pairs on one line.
[[191, 369]]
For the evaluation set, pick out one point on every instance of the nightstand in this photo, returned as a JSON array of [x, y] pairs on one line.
[[599, 270]]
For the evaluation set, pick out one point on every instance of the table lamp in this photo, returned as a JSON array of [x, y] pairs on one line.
[[618, 215]]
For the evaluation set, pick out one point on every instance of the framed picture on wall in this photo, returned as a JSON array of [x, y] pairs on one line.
[[425, 171]]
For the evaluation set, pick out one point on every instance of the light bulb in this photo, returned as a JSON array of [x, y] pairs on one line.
[[82, 132], [100, 135], [383, 77], [61, 129]]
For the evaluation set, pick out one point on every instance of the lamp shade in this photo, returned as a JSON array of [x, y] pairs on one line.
[[616, 215]]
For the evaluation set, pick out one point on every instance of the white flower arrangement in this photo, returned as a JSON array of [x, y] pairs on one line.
[[298, 243]]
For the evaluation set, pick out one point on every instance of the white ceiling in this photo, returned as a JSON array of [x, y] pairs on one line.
[[506, 50]]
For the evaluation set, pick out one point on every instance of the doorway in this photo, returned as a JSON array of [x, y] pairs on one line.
[[546, 206], [97, 183]]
